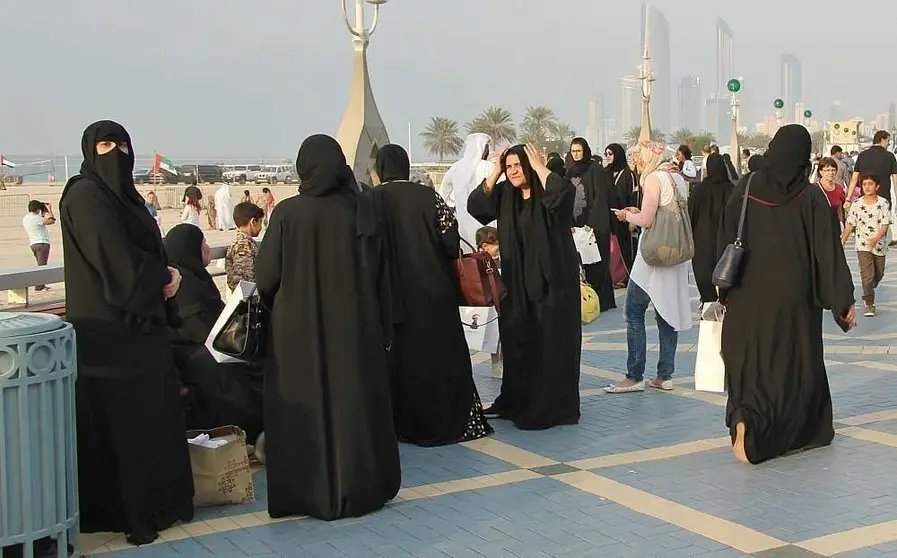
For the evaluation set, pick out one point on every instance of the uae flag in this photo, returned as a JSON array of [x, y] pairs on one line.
[[6, 162], [163, 163]]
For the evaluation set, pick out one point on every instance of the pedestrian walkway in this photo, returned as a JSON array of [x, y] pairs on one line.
[[645, 474]]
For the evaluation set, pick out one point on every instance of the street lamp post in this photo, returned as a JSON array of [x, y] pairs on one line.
[[734, 86], [808, 114], [362, 131], [778, 104]]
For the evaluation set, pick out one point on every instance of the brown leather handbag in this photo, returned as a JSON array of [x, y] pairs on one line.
[[481, 284]]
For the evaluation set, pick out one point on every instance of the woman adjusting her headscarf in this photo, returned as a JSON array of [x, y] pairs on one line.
[[540, 317], [794, 268], [117, 281]]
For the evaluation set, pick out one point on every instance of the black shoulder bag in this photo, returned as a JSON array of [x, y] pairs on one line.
[[725, 274], [244, 336]]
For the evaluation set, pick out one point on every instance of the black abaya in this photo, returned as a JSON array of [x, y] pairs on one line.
[[705, 207], [794, 268], [331, 449], [627, 193], [540, 326], [133, 465], [435, 400]]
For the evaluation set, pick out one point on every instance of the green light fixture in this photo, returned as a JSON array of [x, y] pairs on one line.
[[733, 85], [779, 103]]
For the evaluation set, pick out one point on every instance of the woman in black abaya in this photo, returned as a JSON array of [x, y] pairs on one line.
[[705, 207], [793, 269], [225, 393], [133, 466], [628, 194], [435, 400], [599, 200], [331, 449], [541, 333]]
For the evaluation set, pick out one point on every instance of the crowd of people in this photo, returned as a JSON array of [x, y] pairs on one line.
[[366, 345]]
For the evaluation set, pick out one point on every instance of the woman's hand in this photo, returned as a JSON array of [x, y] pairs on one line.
[[621, 215], [535, 158], [173, 285]]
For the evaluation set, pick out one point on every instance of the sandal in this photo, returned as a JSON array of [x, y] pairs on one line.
[[633, 388]]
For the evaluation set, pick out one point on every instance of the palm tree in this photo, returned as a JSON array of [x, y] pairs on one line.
[[497, 123], [560, 135], [759, 141], [441, 137], [682, 136], [701, 140], [632, 134], [538, 125]]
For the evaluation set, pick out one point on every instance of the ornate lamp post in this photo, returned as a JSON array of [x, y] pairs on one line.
[[779, 105], [646, 76], [734, 86], [362, 131], [808, 114]]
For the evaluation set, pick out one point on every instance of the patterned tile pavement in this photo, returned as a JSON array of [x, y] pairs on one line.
[[642, 475]]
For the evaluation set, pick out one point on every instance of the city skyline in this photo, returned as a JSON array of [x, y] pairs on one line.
[[656, 39], [792, 86]]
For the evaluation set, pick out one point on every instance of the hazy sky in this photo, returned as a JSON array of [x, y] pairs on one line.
[[203, 78]]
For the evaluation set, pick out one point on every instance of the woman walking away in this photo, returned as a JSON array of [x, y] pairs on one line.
[[597, 201], [540, 324], [331, 445], [435, 400], [665, 287], [794, 267], [133, 466], [705, 207]]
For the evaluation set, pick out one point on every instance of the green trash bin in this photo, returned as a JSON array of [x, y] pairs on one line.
[[38, 466]]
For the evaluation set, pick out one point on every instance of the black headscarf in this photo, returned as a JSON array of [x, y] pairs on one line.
[[787, 162], [733, 173], [756, 162], [322, 167], [717, 171], [198, 292], [113, 171], [556, 164], [619, 163], [579, 168], [393, 163], [531, 259]]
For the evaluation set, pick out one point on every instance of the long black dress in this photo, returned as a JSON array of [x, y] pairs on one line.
[[627, 193], [540, 326], [794, 268], [599, 200], [331, 449], [435, 401], [133, 465], [220, 393], [705, 207]]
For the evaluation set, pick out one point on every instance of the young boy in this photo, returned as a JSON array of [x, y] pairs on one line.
[[239, 262], [487, 241], [870, 217]]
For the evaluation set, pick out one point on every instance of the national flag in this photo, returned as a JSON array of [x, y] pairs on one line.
[[164, 163], [6, 162]]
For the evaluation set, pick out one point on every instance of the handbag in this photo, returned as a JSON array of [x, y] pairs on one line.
[[245, 334], [725, 274], [591, 305], [669, 240], [710, 370], [480, 282]]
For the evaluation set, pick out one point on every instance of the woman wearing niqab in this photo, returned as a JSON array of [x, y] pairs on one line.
[[592, 204], [793, 268], [628, 192], [705, 207], [462, 178], [435, 401], [331, 449], [540, 327], [133, 465]]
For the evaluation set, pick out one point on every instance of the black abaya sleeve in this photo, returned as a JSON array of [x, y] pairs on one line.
[[559, 196], [693, 206], [832, 283], [132, 277], [268, 270], [485, 208]]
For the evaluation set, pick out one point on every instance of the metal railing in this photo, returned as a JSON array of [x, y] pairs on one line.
[[18, 281]]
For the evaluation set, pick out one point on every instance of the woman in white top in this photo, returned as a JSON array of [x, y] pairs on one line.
[[464, 177], [190, 215], [665, 287]]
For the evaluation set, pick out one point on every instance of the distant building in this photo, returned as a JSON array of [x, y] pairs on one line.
[[799, 108], [630, 104], [656, 36], [792, 87], [892, 116], [836, 111], [725, 56], [716, 116], [690, 103], [597, 130]]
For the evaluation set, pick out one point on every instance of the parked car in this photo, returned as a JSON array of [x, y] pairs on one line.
[[272, 174], [204, 174], [149, 176], [242, 173]]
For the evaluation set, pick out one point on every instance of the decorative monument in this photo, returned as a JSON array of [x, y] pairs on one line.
[[646, 76], [362, 131], [734, 86]]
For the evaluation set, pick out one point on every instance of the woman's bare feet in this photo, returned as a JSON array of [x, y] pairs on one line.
[[738, 446]]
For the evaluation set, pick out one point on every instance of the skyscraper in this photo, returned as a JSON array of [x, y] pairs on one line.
[[792, 84], [630, 104], [836, 112], [656, 36], [725, 57], [597, 132], [690, 103]]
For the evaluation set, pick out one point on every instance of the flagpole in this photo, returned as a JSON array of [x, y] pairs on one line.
[[66, 168]]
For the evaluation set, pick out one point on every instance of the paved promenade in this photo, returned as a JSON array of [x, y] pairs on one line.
[[642, 475]]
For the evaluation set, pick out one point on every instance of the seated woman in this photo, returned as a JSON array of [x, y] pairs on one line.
[[220, 394]]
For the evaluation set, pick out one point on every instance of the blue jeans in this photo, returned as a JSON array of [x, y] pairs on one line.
[[636, 306]]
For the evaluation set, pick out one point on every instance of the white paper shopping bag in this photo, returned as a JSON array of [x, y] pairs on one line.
[[480, 328], [710, 371], [243, 290], [586, 245]]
